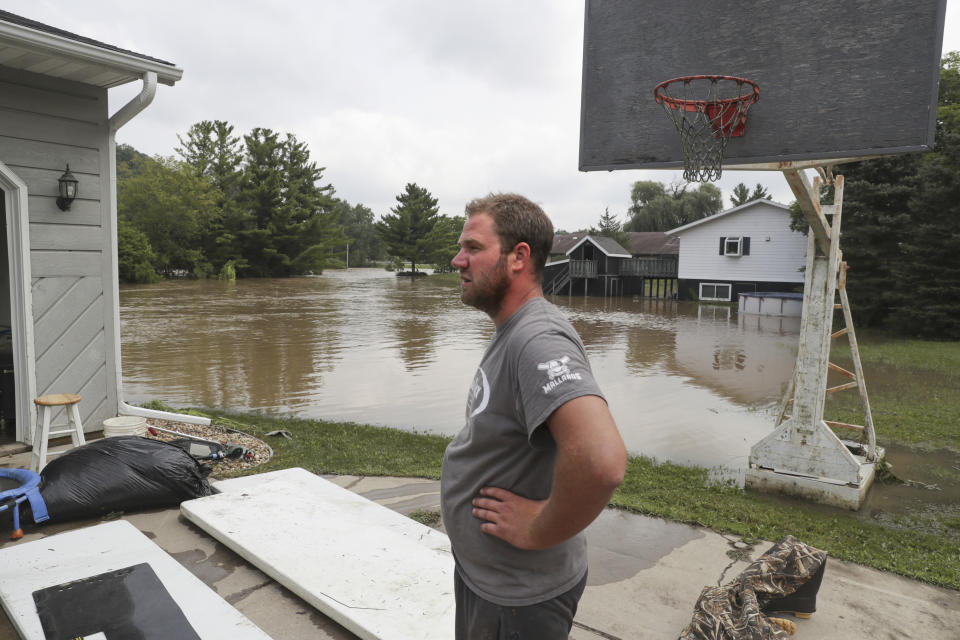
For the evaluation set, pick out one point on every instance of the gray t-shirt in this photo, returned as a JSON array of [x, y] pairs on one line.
[[534, 364]]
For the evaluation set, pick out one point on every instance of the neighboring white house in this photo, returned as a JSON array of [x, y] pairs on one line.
[[745, 249], [59, 303]]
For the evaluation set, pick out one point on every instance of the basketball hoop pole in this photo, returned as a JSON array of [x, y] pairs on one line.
[[802, 455]]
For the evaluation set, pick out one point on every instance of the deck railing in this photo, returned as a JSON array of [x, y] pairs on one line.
[[583, 269], [644, 267], [649, 267]]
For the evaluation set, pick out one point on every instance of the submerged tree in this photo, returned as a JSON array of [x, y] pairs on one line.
[[285, 222], [309, 221], [361, 233], [406, 231], [261, 194], [443, 240], [135, 256], [170, 205], [215, 154]]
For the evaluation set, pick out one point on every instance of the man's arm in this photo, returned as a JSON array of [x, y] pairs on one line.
[[591, 461]]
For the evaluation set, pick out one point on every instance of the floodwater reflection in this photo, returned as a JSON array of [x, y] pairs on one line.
[[687, 383]]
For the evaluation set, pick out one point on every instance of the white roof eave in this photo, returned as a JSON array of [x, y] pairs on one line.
[[722, 214], [55, 46], [597, 245]]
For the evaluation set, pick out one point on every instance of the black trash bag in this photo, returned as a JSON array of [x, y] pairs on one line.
[[120, 473]]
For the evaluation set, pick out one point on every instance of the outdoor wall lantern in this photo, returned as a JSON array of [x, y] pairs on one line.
[[68, 189]]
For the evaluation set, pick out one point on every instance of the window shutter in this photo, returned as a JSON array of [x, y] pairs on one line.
[[745, 246], [723, 242]]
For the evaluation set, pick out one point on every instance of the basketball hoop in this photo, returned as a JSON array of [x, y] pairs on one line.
[[707, 111]]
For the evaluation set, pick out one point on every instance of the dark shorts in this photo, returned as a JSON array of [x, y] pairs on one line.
[[478, 619]]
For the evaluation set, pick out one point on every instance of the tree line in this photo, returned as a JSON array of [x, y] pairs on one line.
[[257, 205], [660, 207]]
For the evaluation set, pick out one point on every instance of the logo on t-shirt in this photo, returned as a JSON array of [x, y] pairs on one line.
[[479, 393], [557, 373]]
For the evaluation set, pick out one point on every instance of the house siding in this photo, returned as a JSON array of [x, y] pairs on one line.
[[45, 124], [777, 260]]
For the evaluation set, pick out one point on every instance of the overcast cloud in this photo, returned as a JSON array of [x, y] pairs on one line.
[[461, 98]]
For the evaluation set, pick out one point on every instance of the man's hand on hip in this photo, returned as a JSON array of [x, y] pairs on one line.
[[508, 516], [591, 462]]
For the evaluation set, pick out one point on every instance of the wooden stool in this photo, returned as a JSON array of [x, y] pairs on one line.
[[47, 405]]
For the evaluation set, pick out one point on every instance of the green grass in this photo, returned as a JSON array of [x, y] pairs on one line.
[[664, 490], [343, 448], [914, 389], [942, 358]]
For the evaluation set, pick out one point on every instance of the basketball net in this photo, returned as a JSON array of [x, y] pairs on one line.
[[707, 111]]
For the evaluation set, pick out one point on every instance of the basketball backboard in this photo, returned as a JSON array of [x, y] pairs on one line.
[[837, 79]]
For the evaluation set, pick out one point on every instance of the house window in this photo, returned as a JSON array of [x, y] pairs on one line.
[[714, 291], [735, 246]]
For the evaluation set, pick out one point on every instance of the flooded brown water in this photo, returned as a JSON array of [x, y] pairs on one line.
[[686, 383]]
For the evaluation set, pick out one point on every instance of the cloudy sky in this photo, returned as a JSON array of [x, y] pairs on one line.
[[461, 98]]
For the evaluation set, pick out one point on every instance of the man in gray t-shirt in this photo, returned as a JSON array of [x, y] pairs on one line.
[[539, 456]]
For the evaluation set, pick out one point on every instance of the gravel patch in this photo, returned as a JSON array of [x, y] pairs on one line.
[[257, 451]]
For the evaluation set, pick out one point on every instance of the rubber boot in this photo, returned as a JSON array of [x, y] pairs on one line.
[[802, 602]]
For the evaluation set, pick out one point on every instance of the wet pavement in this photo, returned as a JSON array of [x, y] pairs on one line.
[[645, 576]]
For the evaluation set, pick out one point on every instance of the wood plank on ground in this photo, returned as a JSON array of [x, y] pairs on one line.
[[376, 572]]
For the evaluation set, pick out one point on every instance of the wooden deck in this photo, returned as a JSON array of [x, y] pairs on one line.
[[645, 276]]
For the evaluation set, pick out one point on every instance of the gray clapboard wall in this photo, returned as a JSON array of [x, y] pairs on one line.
[[45, 124]]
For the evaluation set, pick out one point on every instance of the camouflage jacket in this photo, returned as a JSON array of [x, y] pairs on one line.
[[734, 611]]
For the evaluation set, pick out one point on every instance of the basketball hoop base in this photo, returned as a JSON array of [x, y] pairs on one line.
[[802, 456], [836, 493]]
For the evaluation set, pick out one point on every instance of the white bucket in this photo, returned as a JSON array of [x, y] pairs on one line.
[[124, 426]]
